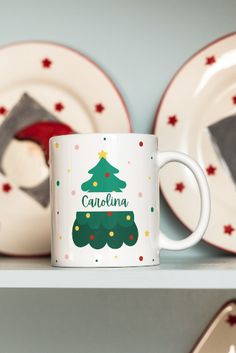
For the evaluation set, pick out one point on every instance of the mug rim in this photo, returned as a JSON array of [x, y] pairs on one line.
[[93, 134]]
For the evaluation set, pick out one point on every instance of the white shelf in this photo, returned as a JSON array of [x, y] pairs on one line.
[[176, 273]]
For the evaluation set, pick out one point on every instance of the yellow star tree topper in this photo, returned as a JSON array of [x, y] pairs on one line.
[[102, 154]]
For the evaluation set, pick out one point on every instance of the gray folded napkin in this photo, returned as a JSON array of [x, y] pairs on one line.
[[223, 135], [23, 115]]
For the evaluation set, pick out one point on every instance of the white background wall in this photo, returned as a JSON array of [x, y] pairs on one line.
[[140, 44]]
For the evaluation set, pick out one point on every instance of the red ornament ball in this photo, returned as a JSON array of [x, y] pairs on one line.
[[131, 237], [141, 143], [140, 258], [109, 213], [91, 237], [107, 175]]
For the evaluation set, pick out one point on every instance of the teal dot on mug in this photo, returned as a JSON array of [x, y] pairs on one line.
[[152, 209], [58, 183]]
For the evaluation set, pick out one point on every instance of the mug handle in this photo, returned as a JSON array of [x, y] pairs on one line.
[[165, 243]]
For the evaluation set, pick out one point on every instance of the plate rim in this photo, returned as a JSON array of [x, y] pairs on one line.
[[222, 308], [99, 68], [82, 55], [156, 118]]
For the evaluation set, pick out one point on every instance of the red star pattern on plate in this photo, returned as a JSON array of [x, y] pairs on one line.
[[172, 120], [3, 110], [58, 107], [231, 320], [46, 63], [211, 170], [6, 187], [99, 108], [210, 60], [179, 187], [234, 99], [228, 229]]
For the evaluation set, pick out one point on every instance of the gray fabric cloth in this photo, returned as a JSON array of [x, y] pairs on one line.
[[26, 112], [223, 134]]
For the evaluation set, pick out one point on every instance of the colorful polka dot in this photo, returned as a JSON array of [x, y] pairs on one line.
[[88, 215], [128, 218], [107, 175], [76, 228], [76, 147], [146, 233], [131, 237], [152, 209], [140, 258], [95, 184], [91, 237], [111, 234], [141, 143], [57, 145], [109, 213], [73, 192], [57, 183], [140, 194]]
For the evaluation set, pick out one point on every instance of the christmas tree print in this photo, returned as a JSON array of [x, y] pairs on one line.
[[103, 179], [98, 228]]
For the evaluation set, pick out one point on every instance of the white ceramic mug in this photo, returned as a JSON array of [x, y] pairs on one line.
[[105, 200]]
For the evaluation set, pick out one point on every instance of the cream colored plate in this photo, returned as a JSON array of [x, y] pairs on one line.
[[77, 92], [202, 92], [220, 335]]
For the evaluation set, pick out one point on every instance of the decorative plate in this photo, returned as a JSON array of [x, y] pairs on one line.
[[77, 96], [201, 93], [220, 335]]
